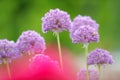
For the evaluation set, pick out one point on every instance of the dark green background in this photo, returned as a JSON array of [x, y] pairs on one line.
[[17, 16]]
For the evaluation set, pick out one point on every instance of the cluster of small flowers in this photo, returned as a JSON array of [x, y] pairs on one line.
[[8, 51], [28, 42]]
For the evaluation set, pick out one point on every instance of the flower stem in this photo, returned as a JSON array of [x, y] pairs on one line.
[[86, 53], [59, 49], [99, 68], [7, 66], [8, 69]]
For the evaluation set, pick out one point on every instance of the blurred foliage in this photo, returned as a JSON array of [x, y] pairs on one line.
[[17, 16]]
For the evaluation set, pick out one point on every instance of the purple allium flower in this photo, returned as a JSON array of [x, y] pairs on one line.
[[99, 56], [84, 30], [93, 74], [84, 21], [84, 34], [31, 42], [8, 51], [56, 20]]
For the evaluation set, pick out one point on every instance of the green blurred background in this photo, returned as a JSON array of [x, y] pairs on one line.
[[17, 16]]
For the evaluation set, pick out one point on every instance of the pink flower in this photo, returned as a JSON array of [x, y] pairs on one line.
[[44, 68]]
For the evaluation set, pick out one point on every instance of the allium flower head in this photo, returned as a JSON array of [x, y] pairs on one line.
[[56, 20], [84, 30], [8, 51], [84, 21], [31, 42], [99, 56], [85, 34], [93, 74]]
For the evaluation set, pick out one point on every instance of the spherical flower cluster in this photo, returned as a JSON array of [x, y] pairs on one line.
[[99, 56], [84, 21], [56, 20], [85, 34], [8, 51], [31, 42], [45, 67], [84, 30], [93, 74]]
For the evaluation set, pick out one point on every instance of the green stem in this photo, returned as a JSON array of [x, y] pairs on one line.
[[86, 53], [8, 69], [99, 68], [59, 49]]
